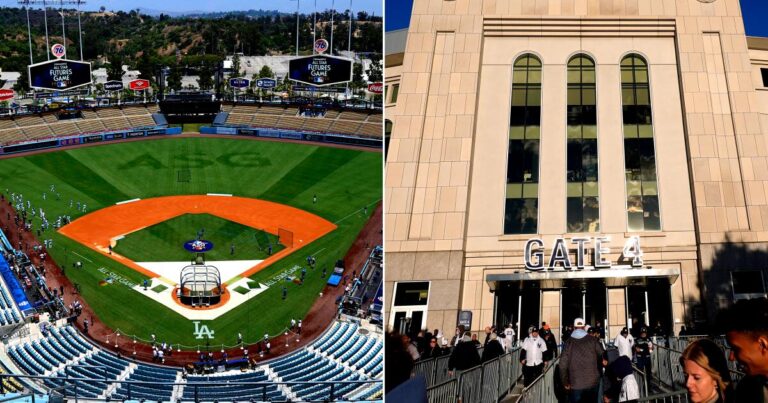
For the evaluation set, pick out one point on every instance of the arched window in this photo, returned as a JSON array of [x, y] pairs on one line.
[[583, 203], [639, 152], [522, 194]]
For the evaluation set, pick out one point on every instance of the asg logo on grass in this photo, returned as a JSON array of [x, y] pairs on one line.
[[202, 332]]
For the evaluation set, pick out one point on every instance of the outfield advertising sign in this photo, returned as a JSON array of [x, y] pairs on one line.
[[139, 85], [6, 95], [320, 70], [266, 83], [239, 82], [113, 85], [59, 75], [58, 50]]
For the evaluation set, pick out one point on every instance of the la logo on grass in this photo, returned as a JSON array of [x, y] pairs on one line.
[[202, 332]]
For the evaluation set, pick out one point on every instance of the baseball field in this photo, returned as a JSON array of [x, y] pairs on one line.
[[337, 185]]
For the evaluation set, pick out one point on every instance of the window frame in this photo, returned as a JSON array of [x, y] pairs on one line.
[[645, 59]]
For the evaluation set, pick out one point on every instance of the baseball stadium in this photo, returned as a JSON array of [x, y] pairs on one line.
[[165, 244]]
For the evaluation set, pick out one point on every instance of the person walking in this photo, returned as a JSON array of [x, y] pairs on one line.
[[707, 377], [745, 325], [509, 336], [624, 342], [643, 349], [464, 355], [493, 348], [580, 365], [532, 356]]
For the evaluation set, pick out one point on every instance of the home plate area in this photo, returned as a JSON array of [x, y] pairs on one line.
[[239, 290]]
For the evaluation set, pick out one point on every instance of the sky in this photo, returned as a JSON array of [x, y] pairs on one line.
[[755, 12], [369, 6]]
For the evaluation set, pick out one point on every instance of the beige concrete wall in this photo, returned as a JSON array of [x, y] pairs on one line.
[[442, 269], [445, 171], [550, 311], [617, 311]]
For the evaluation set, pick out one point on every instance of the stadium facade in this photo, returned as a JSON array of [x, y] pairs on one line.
[[564, 158]]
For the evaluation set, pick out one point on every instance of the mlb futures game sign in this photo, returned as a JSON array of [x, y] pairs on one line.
[[320, 70], [59, 75]]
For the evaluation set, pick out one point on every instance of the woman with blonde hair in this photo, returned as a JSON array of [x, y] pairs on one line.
[[706, 372]]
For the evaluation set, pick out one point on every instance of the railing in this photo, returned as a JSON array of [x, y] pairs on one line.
[[487, 382], [67, 385], [665, 365], [674, 397], [642, 382], [541, 390]]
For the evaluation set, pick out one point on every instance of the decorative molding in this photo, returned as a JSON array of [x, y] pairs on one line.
[[578, 27]]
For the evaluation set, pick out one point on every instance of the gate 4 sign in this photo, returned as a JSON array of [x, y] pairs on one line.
[[58, 50], [320, 70], [59, 75], [560, 255], [6, 95], [139, 85], [202, 332]]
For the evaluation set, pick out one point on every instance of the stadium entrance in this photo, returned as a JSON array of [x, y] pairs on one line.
[[614, 302]]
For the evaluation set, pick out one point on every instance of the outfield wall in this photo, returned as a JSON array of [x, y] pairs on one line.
[[88, 138], [334, 138]]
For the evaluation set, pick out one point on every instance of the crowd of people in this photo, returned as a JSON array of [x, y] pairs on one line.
[[591, 371]]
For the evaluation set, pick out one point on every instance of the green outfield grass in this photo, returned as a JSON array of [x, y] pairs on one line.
[[163, 242], [345, 181]]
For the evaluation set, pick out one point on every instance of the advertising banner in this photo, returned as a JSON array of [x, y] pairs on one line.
[[59, 75], [320, 70]]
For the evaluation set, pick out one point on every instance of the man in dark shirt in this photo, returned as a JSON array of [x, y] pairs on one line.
[[643, 348], [745, 325], [465, 355]]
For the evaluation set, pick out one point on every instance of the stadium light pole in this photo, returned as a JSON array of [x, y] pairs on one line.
[[63, 28], [45, 18], [349, 41], [298, 5], [29, 30], [314, 27], [80, 28], [333, 11]]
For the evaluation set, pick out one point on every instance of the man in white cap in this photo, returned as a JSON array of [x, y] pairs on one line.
[[532, 356], [580, 365]]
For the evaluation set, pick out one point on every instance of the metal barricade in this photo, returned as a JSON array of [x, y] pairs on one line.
[[541, 390], [470, 384], [642, 382], [491, 378], [441, 370], [674, 397], [445, 392], [426, 368]]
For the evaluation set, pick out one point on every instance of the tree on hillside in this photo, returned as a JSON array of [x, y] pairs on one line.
[[115, 67], [205, 82], [374, 71], [266, 72], [236, 65], [174, 78]]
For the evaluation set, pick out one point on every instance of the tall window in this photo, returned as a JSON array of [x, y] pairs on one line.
[[522, 196], [639, 152], [583, 203]]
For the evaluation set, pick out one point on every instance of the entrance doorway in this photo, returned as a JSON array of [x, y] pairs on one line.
[[521, 307]]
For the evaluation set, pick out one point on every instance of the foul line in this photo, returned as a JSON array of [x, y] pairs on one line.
[[218, 194], [127, 201], [355, 212], [83, 257]]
